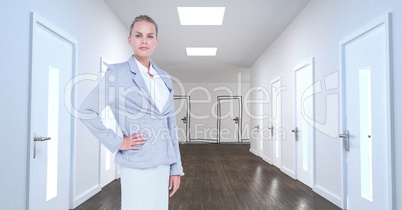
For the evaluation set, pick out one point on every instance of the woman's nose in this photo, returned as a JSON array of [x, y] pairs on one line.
[[144, 41]]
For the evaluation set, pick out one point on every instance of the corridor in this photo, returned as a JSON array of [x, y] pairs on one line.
[[225, 176]]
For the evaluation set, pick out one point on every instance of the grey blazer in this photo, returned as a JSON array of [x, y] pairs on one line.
[[124, 90]]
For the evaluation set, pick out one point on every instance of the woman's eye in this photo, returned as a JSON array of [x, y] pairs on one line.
[[137, 36], [151, 37]]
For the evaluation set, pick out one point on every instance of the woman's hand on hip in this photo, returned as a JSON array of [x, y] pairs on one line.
[[132, 142], [174, 184]]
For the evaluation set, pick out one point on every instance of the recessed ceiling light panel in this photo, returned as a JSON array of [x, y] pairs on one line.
[[201, 15], [201, 51]]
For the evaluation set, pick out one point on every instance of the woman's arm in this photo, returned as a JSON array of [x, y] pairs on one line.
[[93, 105]]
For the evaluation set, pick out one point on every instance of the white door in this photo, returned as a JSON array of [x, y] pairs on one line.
[[260, 99], [303, 131], [229, 120], [266, 126], [50, 122], [276, 131], [108, 169], [260, 126], [366, 119], [181, 104]]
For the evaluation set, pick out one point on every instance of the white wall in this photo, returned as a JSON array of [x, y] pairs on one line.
[[98, 32], [316, 32], [203, 106], [14, 58]]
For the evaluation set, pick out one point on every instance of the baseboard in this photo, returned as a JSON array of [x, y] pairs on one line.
[[268, 160], [254, 152], [86, 195], [328, 195], [288, 172]]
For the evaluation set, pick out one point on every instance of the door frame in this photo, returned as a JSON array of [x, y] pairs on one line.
[[188, 115], [386, 21], [219, 117], [37, 21], [106, 61], [310, 61], [277, 79]]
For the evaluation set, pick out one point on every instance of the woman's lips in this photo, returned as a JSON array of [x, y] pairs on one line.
[[143, 48]]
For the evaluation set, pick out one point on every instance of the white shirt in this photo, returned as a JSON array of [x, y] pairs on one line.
[[156, 86]]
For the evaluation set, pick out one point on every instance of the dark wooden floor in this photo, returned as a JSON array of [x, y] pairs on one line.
[[225, 176]]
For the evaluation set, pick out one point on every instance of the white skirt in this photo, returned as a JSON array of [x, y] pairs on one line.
[[145, 189]]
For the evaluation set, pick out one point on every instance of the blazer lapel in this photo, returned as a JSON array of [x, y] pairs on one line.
[[168, 82], [138, 79], [165, 77]]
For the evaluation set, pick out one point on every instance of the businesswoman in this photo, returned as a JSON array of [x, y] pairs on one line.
[[140, 95]]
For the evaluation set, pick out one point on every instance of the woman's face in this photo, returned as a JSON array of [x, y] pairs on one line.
[[143, 39]]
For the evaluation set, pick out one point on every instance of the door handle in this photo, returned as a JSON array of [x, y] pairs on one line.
[[184, 119], [42, 138], [272, 130], [346, 137], [295, 131], [258, 128], [38, 139], [236, 120]]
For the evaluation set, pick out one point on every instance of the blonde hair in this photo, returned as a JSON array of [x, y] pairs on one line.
[[145, 18]]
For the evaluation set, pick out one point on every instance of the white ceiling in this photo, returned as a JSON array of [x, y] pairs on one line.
[[249, 27]]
